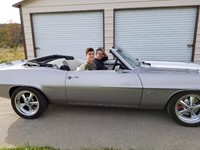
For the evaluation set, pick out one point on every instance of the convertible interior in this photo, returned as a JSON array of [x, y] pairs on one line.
[[68, 63]]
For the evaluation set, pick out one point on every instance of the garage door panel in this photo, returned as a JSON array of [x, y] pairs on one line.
[[156, 34], [67, 33]]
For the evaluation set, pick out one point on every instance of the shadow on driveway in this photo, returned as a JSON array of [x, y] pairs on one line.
[[79, 127]]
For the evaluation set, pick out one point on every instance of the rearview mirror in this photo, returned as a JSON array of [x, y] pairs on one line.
[[117, 68]]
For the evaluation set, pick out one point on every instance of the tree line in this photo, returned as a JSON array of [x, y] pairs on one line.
[[10, 35]]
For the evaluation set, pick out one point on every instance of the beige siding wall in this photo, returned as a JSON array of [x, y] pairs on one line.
[[40, 6], [197, 47], [28, 35], [108, 27]]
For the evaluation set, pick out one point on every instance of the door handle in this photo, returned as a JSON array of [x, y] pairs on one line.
[[70, 77]]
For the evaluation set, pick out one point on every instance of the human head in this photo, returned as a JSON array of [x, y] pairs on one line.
[[99, 53], [90, 54]]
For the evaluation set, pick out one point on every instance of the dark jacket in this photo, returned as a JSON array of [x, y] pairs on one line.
[[100, 63]]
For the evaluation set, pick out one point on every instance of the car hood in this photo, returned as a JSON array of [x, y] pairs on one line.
[[173, 65]]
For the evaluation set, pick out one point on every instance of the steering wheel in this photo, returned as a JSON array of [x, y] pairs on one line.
[[115, 64]]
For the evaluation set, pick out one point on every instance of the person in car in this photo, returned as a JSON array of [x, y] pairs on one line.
[[89, 65], [101, 57]]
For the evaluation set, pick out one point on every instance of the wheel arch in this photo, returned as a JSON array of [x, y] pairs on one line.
[[12, 89], [178, 92]]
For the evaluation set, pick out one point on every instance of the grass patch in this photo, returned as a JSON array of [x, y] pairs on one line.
[[7, 55], [30, 148], [51, 148], [105, 148]]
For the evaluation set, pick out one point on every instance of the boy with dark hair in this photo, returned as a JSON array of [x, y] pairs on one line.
[[101, 57], [89, 65]]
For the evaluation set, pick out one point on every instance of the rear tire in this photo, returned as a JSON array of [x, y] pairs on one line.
[[184, 108], [28, 103]]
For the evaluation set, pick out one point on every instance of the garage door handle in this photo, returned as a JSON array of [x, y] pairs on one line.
[[70, 77], [37, 48], [190, 45]]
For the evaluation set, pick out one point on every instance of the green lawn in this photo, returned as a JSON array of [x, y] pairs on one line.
[[51, 148], [7, 55], [30, 148]]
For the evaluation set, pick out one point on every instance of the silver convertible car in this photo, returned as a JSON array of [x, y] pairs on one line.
[[34, 84]]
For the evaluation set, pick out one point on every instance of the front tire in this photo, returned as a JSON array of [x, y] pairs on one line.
[[28, 103], [184, 108]]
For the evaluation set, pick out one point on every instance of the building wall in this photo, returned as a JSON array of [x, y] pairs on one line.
[[42, 6], [197, 46]]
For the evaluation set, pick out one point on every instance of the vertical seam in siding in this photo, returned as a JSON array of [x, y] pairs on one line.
[[104, 29], [195, 35], [33, 35], [114, 24]]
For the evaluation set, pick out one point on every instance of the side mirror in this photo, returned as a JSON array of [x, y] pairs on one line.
[[117, 68]]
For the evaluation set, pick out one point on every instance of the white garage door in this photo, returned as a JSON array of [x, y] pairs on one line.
[[156, 34], [67, 33]]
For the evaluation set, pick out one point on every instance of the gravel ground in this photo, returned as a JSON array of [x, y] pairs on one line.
[[68, 127]]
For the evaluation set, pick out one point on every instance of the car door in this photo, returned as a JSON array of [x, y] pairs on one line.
[[112, 88]]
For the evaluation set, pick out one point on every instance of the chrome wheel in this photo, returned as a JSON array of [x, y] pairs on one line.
[[187, 108], [26, 103]]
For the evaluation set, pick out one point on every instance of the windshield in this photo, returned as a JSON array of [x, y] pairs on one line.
[[130, 59]]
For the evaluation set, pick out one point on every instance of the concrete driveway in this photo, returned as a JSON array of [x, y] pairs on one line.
[[83, 127]]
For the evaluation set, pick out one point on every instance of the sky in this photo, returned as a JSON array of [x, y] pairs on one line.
[[7, 12]]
